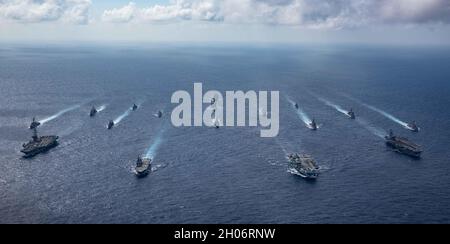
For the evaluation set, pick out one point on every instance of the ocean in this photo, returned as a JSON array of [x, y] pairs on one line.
[[229, 175]]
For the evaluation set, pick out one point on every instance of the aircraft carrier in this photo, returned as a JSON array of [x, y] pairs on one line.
[[403, 145], [38, 144]]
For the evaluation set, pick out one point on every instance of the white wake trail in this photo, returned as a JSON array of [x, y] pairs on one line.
[[374, 130], [283, 146], [330, 104], [384, 113], [101, 108], [152, 151], [57, 115], [121, 117], [387, 115], [301, 114]]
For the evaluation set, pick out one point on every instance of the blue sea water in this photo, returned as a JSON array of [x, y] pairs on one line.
[[230, 175]]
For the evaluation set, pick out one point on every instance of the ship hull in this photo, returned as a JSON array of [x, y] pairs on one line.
[[37, 151], [404, 151], [307, 176], [144, 169], [412, 129], [110, 126], [304, 167], [142, 174]]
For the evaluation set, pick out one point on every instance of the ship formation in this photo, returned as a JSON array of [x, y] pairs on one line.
[[300, 164]]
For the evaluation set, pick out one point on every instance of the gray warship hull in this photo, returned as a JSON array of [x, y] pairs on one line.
[[41, 145], [144, 168], [93, 113], [351, 115], [412, 128], [304, 166], [403, 146], [110, 125]]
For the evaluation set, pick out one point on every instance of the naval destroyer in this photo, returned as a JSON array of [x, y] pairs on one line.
[[313, 125], [93, 112], [351, 114], [412, 126], [143, 166]]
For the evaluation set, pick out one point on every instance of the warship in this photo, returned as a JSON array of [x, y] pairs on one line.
[[296, 105], [134, 108], [93, 112], [34, 124], [159, 114], [403, 145], [304, 165], [143, 166], [412, 126], [351, 114], [313, 125], [110, 125], [38, 144]]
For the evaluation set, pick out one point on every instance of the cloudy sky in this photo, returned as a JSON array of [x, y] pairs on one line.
[[353, 21]]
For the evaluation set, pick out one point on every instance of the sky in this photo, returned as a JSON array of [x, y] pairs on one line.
[[404, 22]]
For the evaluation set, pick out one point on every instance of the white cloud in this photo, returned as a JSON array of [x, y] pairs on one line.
[[313, 14], [178, 10], [265, 12], [33, 11], [124, 14], [306, 13]]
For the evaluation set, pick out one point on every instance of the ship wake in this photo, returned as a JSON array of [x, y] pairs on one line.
[[286, 147], [333, 105], [283, 145], [152, 151], [384, 113], [301, 114], [158, 167], [59, 114], [121, 117], [101, 108], [374, 130], [387, 115]]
